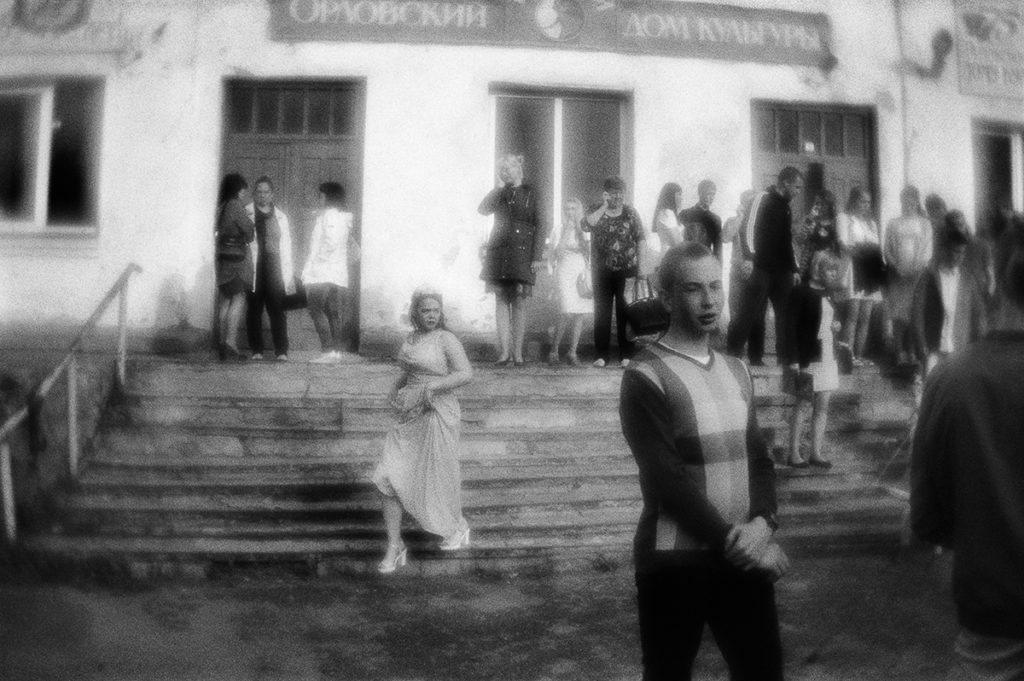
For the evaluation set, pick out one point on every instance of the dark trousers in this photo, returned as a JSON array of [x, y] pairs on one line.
[[610, 287], [675, 603], [326, 303], [755, 339], [269, 294], [759, 289]]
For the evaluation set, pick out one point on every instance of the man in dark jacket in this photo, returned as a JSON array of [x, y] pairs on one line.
[[770, 225], [699, 223], [967, 477]]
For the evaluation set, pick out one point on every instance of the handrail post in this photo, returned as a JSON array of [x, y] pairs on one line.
[[122, 336], [73, 450], [7, 493]]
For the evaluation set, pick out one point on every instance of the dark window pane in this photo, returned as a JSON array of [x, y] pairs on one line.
[[266, 110], [72, 190], [319, 112], [525, 126], [294, 102], [766, 130], [19, 115], [854, 136], [240, 108], [789, 139], [590, 147], [810, 133], [343, 112], [833, 134]]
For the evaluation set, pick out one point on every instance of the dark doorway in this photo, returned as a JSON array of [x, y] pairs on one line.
[[300, 134]]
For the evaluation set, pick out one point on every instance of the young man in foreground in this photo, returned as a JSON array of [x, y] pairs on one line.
[[703, 548]]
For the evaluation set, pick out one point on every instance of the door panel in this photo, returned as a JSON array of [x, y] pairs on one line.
[[314, 138]]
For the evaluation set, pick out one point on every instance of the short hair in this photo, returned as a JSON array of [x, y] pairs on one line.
[[230, 186], [1009, 262], [954, 230], [909, 194], [264, 179], [674, 257], [789, 174], [514, 158], [614, 183], [334, 194], [418, 296], [705, 185], [856, 194], [933, 203]]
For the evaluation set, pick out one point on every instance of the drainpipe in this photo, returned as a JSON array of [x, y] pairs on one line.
[[897, 6]]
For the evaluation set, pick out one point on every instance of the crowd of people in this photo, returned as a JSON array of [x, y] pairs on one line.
[[255, 269]]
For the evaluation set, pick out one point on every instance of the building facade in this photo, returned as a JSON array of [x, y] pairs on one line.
[[117, 121]]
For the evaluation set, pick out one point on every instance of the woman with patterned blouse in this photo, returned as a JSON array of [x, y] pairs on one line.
[[617, 231]]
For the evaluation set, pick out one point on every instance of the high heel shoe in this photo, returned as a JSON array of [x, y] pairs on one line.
[[386, 566], [457, 541]]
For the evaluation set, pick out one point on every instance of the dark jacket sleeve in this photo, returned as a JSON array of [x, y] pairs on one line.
[[932, 465], [646, 424], [491, 202], [803, 318], [762, 470], [240, 225]]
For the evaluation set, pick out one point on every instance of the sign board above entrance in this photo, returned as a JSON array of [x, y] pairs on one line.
[[665, 27], [990, 41]]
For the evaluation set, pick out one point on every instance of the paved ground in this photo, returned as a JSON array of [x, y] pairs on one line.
[[842, 618]]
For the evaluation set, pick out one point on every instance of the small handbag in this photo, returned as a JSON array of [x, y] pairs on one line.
[[646, 314], [584, 284]]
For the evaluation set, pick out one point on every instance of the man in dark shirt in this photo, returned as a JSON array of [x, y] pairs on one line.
[[770, 223], [703, 550], [967, 476], [699, 223]]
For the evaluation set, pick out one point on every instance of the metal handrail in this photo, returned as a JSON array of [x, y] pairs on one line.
[[68, 365]]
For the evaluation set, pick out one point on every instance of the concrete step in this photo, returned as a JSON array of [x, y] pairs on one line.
[[139, 517], [173, 443]]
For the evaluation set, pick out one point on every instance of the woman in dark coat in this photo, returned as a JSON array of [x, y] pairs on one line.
[[235, 231], [513, 254]]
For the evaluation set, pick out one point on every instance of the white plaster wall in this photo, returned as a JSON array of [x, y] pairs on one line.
[[428, 145]]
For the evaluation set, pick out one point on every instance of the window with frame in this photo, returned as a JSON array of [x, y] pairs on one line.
[[49, 149]]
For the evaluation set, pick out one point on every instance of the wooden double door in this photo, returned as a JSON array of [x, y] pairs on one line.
[[833, 146], [300, 134]]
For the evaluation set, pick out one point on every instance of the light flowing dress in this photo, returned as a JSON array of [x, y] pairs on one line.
[[420, 462], [570, 263]]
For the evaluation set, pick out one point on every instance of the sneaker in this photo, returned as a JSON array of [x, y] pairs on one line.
[[257, 356], [624, 363], [599, 363], [325, 358], [282, 358]]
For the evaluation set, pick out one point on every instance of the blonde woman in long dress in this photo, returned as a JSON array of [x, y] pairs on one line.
[[419, 469]]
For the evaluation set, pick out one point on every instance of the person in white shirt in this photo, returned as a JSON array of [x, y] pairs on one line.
[[332, 248], [272, 264], [860, 236], [666, 216]]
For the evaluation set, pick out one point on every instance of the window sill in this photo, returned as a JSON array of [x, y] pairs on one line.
[[78, 242]]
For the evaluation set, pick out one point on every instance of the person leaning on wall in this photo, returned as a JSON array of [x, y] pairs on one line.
[[234, 232], [513, 254]]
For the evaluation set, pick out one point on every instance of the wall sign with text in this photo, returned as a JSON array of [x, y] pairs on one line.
[[990, 47], [665, 27]]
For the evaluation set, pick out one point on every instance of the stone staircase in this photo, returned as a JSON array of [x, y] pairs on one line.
[[207, 466]]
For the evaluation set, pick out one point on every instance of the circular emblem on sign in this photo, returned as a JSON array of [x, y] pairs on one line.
[[50, 16], [559, 20]]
